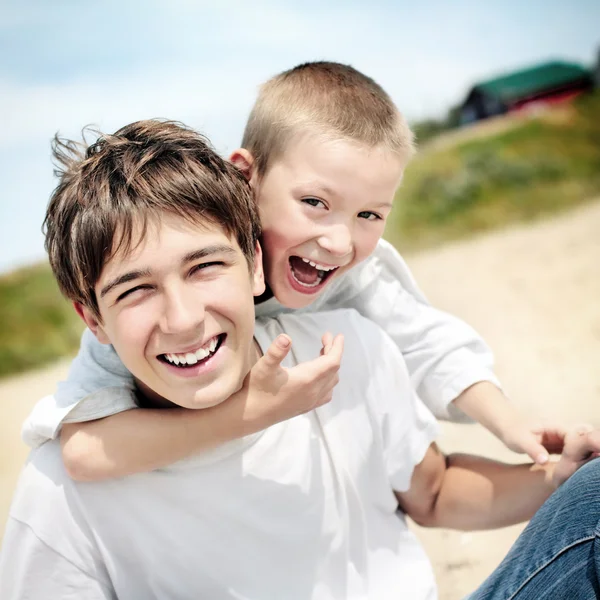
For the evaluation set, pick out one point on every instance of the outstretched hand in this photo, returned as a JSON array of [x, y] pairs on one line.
[[538, 442], [273, 393], [580, 446]]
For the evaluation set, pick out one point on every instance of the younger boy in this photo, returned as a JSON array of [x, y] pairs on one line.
[[305, 509], [324, 150]]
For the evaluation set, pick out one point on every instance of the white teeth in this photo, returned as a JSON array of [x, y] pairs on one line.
[[191, 358], [318, 266]]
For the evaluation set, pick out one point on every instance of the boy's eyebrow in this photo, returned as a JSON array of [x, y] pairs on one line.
[[189, 257], [121, 279], [317, 185], [208, 251]]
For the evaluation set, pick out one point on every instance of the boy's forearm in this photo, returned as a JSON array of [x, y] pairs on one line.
[[487, 405], [478, 493], [142, 440]]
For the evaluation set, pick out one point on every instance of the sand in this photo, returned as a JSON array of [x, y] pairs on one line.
[[532, 291]]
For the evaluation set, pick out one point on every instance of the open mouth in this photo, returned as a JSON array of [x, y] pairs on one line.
[[309, 274], [193, 359]]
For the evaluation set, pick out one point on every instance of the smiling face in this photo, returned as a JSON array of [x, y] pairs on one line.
[[179, 311], [323, 206]]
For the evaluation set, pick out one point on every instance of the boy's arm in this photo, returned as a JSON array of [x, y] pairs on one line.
[[147, 439], [486, 404], [450, 365], [471, 493]]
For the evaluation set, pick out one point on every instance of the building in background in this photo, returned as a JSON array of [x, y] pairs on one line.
[[546, 83]]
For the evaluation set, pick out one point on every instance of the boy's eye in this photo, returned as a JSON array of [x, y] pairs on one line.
[[370, 216], [314, 202], [132, 290], [203, 266]]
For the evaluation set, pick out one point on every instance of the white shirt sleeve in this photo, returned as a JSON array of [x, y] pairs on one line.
[[98, 385], [31, 569], [444, 355]]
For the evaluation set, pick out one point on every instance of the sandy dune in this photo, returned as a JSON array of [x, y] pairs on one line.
[[532, 291]]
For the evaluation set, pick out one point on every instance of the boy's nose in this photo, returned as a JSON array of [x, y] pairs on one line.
[[337, 240], [181, 314]]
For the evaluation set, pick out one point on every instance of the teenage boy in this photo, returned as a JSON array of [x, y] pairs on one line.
[[155, 240], [324, 150]]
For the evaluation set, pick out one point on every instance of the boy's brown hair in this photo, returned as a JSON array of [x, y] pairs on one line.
[[111, 191], [329, 98]]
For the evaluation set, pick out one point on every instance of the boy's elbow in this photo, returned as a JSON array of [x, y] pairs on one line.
[[78, 458], [426, 514], [76, 467]]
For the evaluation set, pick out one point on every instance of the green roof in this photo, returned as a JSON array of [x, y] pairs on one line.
[[528, 82]]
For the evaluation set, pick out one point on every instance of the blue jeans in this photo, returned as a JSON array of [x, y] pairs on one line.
[[557, 557]]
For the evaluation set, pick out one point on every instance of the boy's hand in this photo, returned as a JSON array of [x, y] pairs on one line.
[[485, 403], [580, 446], [271, 393], [535, 441]]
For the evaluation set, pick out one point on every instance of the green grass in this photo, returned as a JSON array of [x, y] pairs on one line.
[[539, 166], [38, 325]]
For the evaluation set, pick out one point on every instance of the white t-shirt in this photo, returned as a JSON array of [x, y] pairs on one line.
[[443, 354], [302, 510]]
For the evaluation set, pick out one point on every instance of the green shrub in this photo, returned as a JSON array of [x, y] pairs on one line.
[[535, 167], [38, 325]]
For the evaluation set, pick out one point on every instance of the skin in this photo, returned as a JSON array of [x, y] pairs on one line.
[[338, 195], [178, 303], [473, 493]]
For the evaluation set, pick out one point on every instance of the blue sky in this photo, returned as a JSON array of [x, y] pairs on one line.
[[66, 63]]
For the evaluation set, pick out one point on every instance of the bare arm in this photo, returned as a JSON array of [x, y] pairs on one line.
[[471, 492], [485, 403], [143, 440], [146, 439]]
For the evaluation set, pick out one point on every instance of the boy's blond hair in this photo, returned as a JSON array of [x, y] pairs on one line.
[[328, 98]]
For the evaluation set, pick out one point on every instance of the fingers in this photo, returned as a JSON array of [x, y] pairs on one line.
[[328, 360], [582, 445], [336, 349], [552, 438], [326, 340], [536, 452], [277, 351]]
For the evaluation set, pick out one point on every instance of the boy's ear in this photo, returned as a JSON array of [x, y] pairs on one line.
[[258, 275], [92, 322], [244, 161]]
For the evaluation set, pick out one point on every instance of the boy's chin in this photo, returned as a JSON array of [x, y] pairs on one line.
[[147, 398], [294, 299]]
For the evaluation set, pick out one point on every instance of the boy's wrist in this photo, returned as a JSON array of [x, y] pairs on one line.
[[242, 419], [486, 403]]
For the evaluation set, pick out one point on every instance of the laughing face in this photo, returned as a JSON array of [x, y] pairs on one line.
[[179, 311], [323, 206]]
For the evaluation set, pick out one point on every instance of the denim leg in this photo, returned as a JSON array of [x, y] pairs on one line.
[[557, 557]]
